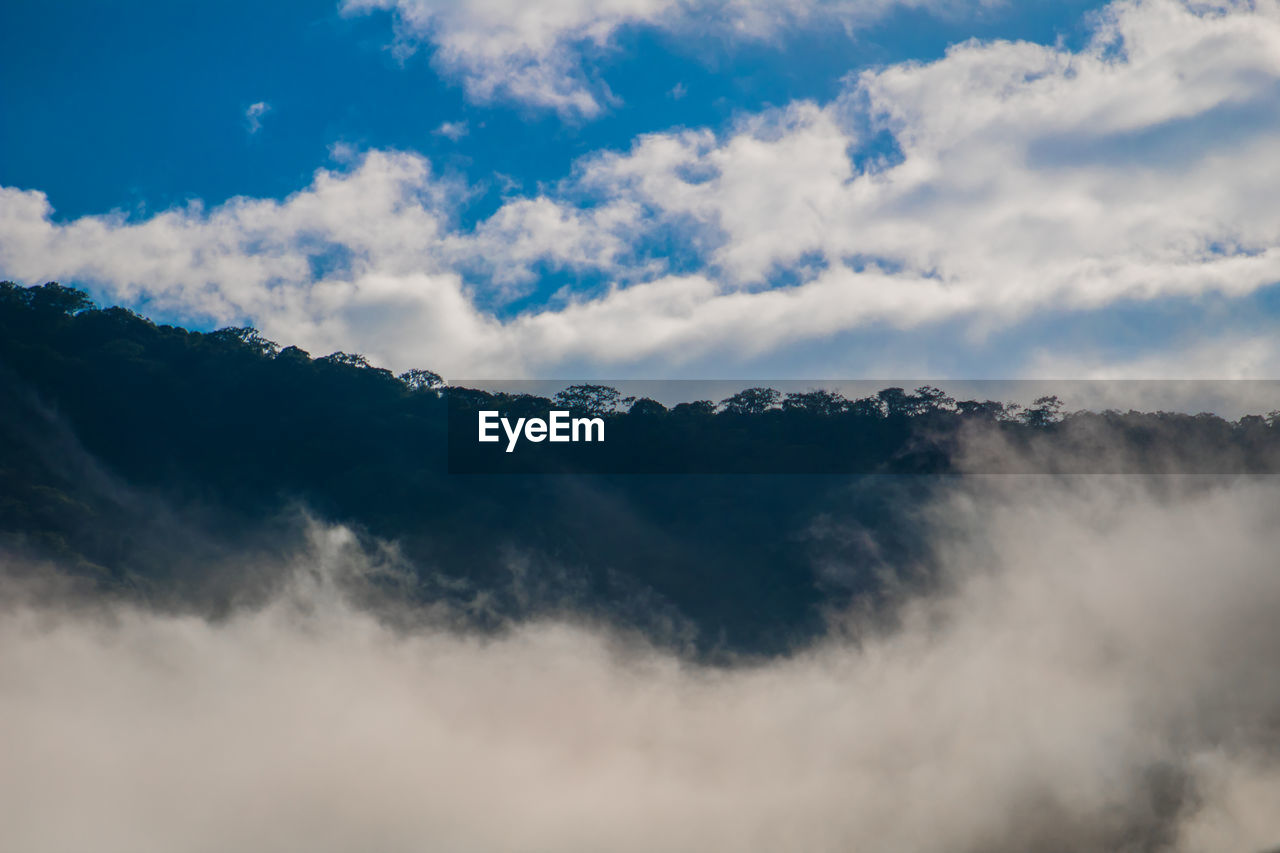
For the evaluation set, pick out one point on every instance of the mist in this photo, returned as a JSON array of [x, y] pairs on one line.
[[1092, 669]]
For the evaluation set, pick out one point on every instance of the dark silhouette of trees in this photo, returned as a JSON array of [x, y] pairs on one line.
[[750, 401], [867, 407], [825, 403], [646, 407], [928, 399], [418, 379], [248, 337], [987, 410], [590, 400], [896, 402], [1044, 411], [349, 359], [53, 298], [294, 353], [695, 408]]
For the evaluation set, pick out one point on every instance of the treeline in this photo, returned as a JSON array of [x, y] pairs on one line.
[[892, 403], [760, 430]]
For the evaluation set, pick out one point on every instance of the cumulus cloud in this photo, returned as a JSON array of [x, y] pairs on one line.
[[539, 52], [939, 203], [1095, 673], [362, 253], [1025, 174]]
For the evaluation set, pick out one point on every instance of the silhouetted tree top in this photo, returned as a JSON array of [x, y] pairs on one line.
[[751, 401], [987, 410], [646, 407], [421, 380], [350, 359], [928, 399], [818, 402], [50, 298], [695, 408], [592, 400], [248, 337], [1043, 411], [895, 402]]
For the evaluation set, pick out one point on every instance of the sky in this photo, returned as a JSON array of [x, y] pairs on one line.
[[659, 189]]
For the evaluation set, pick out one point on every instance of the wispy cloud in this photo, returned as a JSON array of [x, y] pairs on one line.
[[253, 115], [454, 130], [539, 52]]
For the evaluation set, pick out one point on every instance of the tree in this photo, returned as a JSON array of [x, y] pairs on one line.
[[647, 407], [590, 400], [988, 409], [867, 407], [1044, 411], [418, 379], [815, 402], [896, 402], [248, 337], [700, 408], [1253, 423], [292, 353], [750, 401], [359, 362], [55, 298], [928, 399], [350, 359]]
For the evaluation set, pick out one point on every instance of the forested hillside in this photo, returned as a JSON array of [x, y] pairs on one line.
[[166, 463]]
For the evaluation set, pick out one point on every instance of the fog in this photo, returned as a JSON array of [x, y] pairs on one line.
[[1095, 669]]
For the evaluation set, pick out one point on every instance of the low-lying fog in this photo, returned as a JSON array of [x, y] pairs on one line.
[[1100, 671]]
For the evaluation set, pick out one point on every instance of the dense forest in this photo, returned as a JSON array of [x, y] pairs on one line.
[[172, 464]]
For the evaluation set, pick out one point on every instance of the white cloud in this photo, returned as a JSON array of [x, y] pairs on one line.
[[538, 51], [1029, 175], [354, 244], [360, 260], [1028, 180], [254, 115], [454, 130]]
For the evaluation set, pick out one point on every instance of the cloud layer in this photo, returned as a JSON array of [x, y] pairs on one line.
[[1097, 673], [933, 205], [540, 53]]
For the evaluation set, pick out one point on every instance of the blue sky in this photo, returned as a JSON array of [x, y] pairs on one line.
[[637, 187], [143, 106]]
